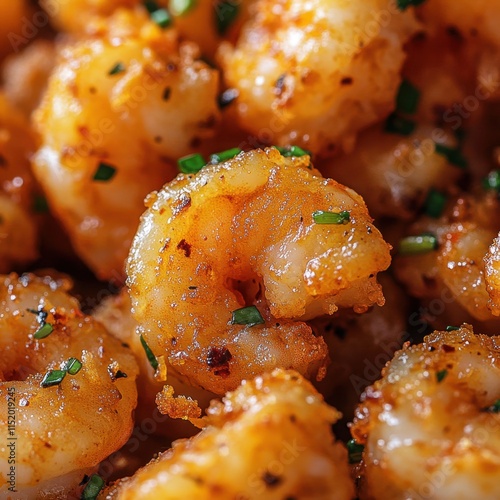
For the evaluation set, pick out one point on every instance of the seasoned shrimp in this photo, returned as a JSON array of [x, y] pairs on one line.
[[269, 439], [119, 107], [300, 66], [492, 275], [93, 398], [241, 233], [430, 425]]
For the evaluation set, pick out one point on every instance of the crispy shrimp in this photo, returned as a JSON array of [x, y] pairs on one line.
[[242, 233], [119, 107], [61, 375], [301, 65], [430, 425], [269, 439]]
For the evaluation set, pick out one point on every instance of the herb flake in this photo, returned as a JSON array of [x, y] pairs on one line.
[[249, 316]]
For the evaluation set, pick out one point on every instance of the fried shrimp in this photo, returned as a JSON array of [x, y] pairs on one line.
[[269, 439], [492, 275], [431, 426], [242, 233], [119, 107], [300, 65], [67, 388]]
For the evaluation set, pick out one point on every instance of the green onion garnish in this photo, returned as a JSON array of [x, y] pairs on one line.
[[451, 328], [149, 354], [453, 155], [161, 17], [492, 181], [94, 486], [290, 151], [404, 4], [226, 12], [191, 164], [54, 377], [355, 451], [435, 203], [73, 366], [441, 375], [225, 155], [495, 407], [407, 98], [249, 316], [321, 217], [40, 205], [416, 245], [44, 331], [118, 68], [104, 172], [396, 124], [181, 7]]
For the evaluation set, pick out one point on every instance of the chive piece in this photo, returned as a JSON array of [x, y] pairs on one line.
[[495, 407], [407, 98], [161, 17], [451, 328], [249, 316], [226, 12], [224, 156], [149, 354], [54, 377], [181, 7], [441, 375], [435, 203], [227, 97], [290, 151], [396, 124], [355, 451], [453, 155], [416, 245], [40, 205], [492, 181], [73, 366], [404, 4], [321, 217], [104, 172], [118, 68], [94, 486], [44, 331], [191, 164]]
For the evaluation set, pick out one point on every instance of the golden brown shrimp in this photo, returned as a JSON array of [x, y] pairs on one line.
[[242, 233], [492, 275], [269, 439], [119, 107], [430, 425], [314, 73], [63, 418]]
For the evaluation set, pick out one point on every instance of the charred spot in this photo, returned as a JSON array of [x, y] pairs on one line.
[[195, 142], [158, 139], [173, 341], [271, 480], [293, 418], [114, 373], [340, 332], [208, 123], [124, 344], [85, 480], [185, 247], [218, 356], [47, 445], [454, 32], [193, 287], [429, 282], [166, 94], [447, 348], [279, 85], [171, 67], [347, 80], [227, 97], [181, 203]]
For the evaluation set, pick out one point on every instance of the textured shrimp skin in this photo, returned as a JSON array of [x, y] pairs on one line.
[[61, 431], [492, 275], [269, 439], [242, 233], [427, 424]]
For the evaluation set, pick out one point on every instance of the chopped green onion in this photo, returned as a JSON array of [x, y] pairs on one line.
[[44, 331], [355, 451], [404, 4], [396, 124], [225, 155], [94, 486], [495, 407], [451, 328], [161, 17], [453, 155], [54, 377], [416, 245], [226, 12], [191, 164], [407, 98], [104, 172], [435, 203], [73, 366], [40, 205], [290, 151], [249, 316], [492, 181], [321, 217], [441, 375], [151, 6], [149, 354], [181, 7], [118, 68]]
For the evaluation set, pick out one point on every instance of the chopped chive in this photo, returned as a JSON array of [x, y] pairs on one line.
[[441, 375], [404, 4], [161, 17], [227, 97], [94, 486], [191, 164], [451, 328], [495, 407], [149, 354], [40, 205], [492, 181], [321, 217], [181, 7], [224, 156], [435, 203], [355, 451], [396, 124], [290, 151], [104, 172], [226, 12], [53, 377], [118, 68], [73, 366], [249, 316], [407, 98], [416, 245], [44, 331], [453, 155]]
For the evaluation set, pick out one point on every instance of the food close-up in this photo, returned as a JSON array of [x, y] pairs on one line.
[[249, 249]]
